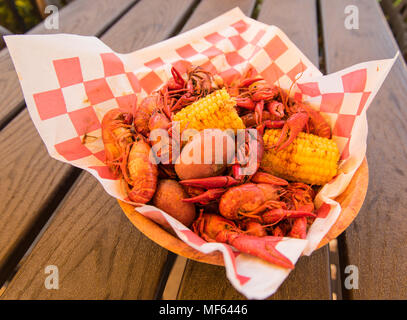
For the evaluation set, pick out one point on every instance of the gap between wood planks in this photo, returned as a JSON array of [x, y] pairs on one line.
[[175, 265], [51, 206], [170, 292], [334, 260]]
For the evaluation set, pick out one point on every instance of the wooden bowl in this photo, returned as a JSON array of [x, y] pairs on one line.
[[351, 201]]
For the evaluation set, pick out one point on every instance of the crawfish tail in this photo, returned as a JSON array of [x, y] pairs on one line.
[[264, 177], [263, 248]]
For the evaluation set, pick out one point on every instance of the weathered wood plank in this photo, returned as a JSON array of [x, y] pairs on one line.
[[26, 167], [210, 9], [77, 202], [99, 254], [206, 282], [375, 242], [300, 285], [202, 281], [80, 17]]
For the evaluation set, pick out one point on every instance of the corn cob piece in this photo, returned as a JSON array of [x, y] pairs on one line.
[[215, 111], [309, 158]]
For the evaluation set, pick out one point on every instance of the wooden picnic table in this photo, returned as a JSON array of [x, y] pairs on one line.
[[54, 214]]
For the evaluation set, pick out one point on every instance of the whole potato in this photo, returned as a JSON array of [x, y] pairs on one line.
[[206, 155], [168, 197]]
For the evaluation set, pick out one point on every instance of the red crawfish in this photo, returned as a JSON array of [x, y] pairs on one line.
[[214, 228], [127, 154]]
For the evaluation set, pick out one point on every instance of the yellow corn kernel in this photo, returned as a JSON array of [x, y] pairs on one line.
[[309, 158], [215, 111]]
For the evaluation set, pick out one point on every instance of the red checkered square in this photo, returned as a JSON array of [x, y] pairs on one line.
[[355, 81], [233, 58], [104, 172], [230, 75], [98, 91], [186, 51], [214, 38], [275, 48], [255, 50], [212, 52], [134, 82], [272, 73], [343, 126], [68, 71], [182, 65], [310, 88], [112, 64], [150, 82], [298, 96], [240, 26], [72, 149], [332, 102], [363, 101], [298, 69], [100, 155], [238, 42], [50, 104], [154, 64], [127, 102], [345, 152], [323, 211], [84, 120], [209, 67], [258, 36]]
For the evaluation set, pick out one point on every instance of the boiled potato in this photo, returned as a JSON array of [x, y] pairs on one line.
[[168, 197], [206, 155]]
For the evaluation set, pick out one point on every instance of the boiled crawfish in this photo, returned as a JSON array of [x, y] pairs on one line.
[[214, 228], [179, 92], [271, 107], [268, 202], [127, 155]]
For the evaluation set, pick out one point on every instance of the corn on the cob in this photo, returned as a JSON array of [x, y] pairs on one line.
[[215, 111], [309, 158]]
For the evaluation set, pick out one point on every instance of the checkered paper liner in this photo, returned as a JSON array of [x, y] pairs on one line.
[[70, 82]]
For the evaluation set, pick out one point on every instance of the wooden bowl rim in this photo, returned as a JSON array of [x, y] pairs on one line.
[[353, 197]]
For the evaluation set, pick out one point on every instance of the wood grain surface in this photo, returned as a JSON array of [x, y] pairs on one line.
[[99, 254], [79, 203], [25, 164], [375, 242], [30, 182], [210, 9], [310, 279], [202, 281], [80, 17]]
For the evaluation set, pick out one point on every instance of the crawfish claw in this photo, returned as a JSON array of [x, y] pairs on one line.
[[207, 196], [295, 124], [211, 182], [263, 248]]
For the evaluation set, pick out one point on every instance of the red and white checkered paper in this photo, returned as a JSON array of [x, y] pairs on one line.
[[70, 82]]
